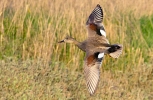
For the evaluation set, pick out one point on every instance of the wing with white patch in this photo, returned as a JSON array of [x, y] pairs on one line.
[[92, 66], [94, 22]]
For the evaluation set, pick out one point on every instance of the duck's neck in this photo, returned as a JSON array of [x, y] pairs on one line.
[[79, 45]]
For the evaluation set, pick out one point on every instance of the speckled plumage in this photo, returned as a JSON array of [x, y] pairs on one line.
[[95, 46]]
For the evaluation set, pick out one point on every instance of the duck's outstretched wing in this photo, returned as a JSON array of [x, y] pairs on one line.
[[92, 67], [96, 15], [94, 22]]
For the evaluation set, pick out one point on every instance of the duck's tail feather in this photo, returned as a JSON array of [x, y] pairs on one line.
[[115, 50]]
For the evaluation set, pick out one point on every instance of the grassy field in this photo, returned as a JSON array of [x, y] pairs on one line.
[[34, 66]]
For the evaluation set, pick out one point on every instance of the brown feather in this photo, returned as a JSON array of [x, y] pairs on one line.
[[93, 27], [90, 59]]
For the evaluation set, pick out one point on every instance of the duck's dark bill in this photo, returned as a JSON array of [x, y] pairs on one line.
[[61, 41]]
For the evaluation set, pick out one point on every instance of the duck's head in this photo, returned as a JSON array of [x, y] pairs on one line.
[[67, 39]]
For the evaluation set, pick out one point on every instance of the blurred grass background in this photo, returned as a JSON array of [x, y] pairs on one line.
[[34, 66]]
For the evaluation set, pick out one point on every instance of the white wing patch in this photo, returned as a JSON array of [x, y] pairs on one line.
[[101, 55], [103, 33]]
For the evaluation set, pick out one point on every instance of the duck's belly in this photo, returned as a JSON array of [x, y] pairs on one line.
[[96, 44]]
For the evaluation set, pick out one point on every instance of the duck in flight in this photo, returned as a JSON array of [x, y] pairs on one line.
[[95, 46]]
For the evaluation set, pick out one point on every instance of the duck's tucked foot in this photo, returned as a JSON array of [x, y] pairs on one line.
[[115, 50]]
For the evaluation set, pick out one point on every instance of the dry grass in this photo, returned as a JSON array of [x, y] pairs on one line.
[[33, 80], [34, 66]]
